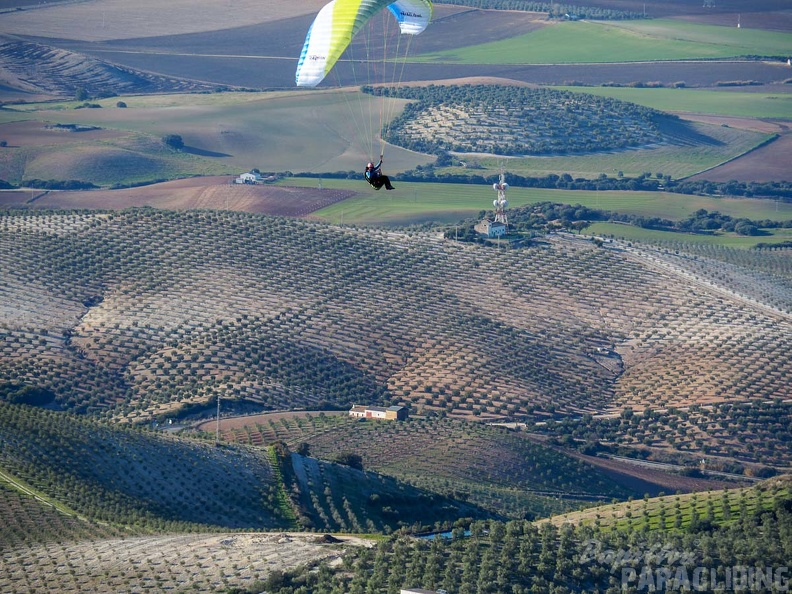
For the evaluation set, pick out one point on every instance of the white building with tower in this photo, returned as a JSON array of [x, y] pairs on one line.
[[491, 229], [500, 225]]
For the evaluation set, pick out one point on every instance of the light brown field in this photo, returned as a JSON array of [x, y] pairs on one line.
[[36, 133], [215, 192], [100, 20], [251, 420], [771, 162]]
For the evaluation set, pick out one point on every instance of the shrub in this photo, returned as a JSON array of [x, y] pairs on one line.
[[174, 141]]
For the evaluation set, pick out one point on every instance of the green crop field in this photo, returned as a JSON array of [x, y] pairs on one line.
[[413, 201], [727, 103], [722, 239], [677, 160], [634, 41]]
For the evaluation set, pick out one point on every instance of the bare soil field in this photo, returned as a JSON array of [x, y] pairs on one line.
[[780, 20], [771, 15], [203, 192], [15, 197], [766, 126], [653, 481], [771, 162], [117, 19], [33, 133], [252, 420]]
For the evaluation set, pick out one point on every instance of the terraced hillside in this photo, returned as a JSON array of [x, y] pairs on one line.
[[39, 68], [139, 313]]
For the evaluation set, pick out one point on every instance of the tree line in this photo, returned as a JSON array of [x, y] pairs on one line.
[[645, 182], [553, 10], [547, 216]]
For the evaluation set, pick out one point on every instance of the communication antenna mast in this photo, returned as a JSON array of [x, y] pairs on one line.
[[500, 203]]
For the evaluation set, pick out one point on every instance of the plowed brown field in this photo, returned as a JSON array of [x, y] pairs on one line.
[[203, 192]]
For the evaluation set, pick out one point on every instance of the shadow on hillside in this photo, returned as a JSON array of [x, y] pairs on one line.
[[203, 153], [682, 133]]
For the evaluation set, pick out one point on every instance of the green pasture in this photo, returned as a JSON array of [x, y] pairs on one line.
[[727, 103], [677, 158], [414, 202], [614, 41], [629, 232]]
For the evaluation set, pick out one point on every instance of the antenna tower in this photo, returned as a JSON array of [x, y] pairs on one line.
[[500, 203]]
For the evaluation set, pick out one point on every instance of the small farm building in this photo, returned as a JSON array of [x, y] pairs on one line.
[[386, 413], [250, 177], [491, 228]]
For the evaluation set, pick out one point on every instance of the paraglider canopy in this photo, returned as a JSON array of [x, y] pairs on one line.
[[338, 22]]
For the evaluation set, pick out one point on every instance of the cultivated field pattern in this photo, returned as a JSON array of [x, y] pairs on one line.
[[497, 469], [136, 313]]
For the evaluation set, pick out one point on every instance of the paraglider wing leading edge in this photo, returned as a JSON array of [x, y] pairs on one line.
[[338, 22]]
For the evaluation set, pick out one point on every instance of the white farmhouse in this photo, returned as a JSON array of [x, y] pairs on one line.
[[250, 177]]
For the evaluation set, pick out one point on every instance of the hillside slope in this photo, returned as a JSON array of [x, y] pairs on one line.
[[39, 68], [145, 481], [690, 511], [140, 312], [131, 477], [497, 469]]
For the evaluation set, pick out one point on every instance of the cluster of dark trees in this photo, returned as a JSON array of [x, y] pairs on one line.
[[56, 184], [18, 393], [174, 141], [554, 10], [521, 121], [703, 221], [545, 216]]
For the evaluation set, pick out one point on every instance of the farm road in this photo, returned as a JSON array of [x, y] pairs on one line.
[[20, 487]]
